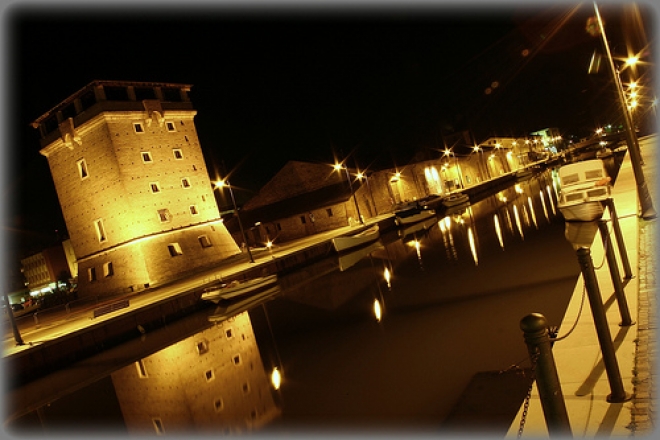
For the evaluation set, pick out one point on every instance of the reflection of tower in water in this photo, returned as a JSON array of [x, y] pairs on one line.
[[212, 381]]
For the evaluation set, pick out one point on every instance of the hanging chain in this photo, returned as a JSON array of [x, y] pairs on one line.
[[529, 394]]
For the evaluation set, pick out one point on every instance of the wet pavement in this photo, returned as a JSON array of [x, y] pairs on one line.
[[582, 374]]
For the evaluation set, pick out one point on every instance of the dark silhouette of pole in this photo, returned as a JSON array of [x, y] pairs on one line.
[[338, 167], [535, 329], [220, 184], [373, 201], [602, 329], [12, 320], [614, 274], [648, 212], [621, 244]]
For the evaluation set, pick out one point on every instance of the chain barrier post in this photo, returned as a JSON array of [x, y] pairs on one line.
[[534, 327], [626, 320], [619, 239], [603, 331]]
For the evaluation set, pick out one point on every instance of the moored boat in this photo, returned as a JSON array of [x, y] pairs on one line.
[[455, 199], [236, 288], [583, 188], [352, 241], [226, 309], [412, 215], [349, 259], [523, 174]]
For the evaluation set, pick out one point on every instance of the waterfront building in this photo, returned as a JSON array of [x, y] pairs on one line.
[[133, 185], [44, 270]]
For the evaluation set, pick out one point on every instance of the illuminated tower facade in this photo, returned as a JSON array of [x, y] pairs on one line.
[[133, 186]]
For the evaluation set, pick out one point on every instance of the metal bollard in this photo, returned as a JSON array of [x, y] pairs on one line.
[[603, 331], [619, 239], [614, 274], [537, 339]]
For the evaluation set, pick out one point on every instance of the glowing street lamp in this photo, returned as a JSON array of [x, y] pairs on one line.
[[648, 212], [222, 184], [360, 175], [338, 167]]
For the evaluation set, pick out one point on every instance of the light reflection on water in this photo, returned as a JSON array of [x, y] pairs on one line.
[[388, 336]]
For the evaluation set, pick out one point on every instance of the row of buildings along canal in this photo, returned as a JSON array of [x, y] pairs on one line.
[[139, 202]]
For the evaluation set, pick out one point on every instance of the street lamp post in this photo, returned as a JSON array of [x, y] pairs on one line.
[[338, 167], [221, 184], [360, 175], [631, 139]]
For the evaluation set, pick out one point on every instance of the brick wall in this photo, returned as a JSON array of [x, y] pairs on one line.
[[123, 176]]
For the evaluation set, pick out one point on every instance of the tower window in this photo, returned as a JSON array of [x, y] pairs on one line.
[[158, 426], [303, 220], [178, 153], [202, 347], [91, 274], [174, 249], [164, 215], [108, 270], [137, 126], [209, 375], [329, 212], [82, 169], [204, 241], [100, 230], [141, 369], [193, 210], [185, 182], [146, 157], [218, 404], [170, 126], [155, 187]]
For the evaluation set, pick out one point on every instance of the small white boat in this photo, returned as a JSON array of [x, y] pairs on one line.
[[413, 215], [455, 199], [584, 187], [349, 259], [226, 311], [523, 174], [417, 227], [227, 291], [352, 241]]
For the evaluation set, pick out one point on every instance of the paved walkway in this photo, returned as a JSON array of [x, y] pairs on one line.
[[577, 353]]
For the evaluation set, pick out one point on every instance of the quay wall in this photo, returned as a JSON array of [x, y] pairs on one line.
[[39, 360]]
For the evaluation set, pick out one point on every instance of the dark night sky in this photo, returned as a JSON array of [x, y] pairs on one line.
[[288, 83]]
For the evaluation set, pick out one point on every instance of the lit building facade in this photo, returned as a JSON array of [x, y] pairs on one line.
[[133, 185], [43, 270]]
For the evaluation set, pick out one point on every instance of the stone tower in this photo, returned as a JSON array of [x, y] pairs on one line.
[[133, 186]]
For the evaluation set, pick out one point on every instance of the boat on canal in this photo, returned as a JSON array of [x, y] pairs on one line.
[[347, 242], [412, 214], [348, 259], [227, 309], [455, 199], [583, 188], [236, 288]]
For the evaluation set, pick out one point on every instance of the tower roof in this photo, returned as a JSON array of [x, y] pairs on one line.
[[103, 83]]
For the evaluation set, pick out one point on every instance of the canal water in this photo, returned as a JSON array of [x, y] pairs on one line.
[[417, 333]]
